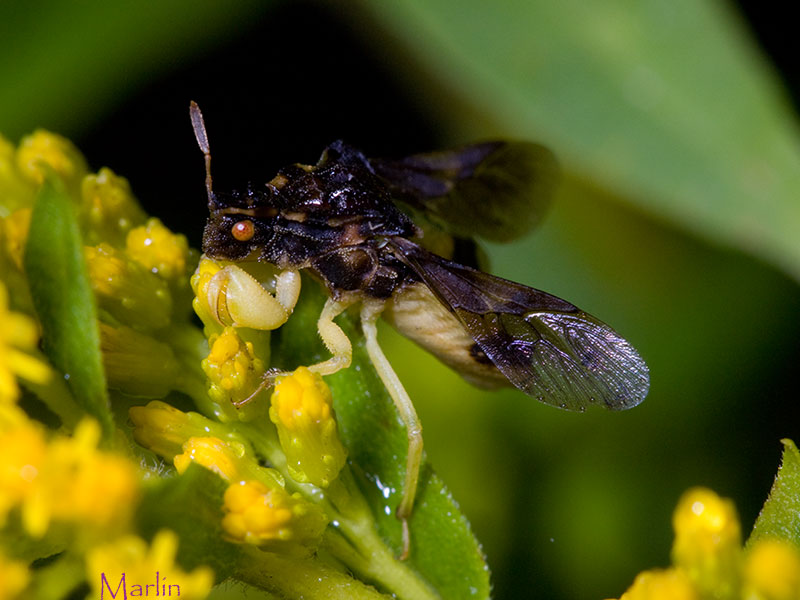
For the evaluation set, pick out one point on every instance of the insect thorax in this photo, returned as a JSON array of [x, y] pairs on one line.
[[332, 218]]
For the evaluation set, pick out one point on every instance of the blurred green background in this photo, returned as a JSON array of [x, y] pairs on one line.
[[677, 220]]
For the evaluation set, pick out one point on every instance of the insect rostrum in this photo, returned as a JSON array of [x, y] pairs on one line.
[[348, 220]]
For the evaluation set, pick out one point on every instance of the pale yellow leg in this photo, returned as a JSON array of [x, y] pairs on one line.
[[334, 338], [287, 289], [238, 299], [370, 312]]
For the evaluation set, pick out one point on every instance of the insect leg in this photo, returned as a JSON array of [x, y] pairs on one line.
[[236, 298], [287, 289], [370, 312], [333, 337]]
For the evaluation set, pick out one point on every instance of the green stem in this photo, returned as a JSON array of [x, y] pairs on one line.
[[302, 578], [371, 560]]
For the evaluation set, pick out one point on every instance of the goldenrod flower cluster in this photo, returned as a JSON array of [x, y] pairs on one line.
[[129, 561], [708, 561], [258, 508], [65, 488], [225, 487], [63, 479]]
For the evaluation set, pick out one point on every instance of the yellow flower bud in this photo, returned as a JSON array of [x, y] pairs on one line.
[[161, 427], [303, 414], [772, 571], [18, 334], [261, 515], [15, 191], [14, 577], [158, 249], [22, 453], [232, 367], [109, 209], [670, 584], [129, 292], [708, 541], [42, 152], [212, 453], [138, 364], [15, 234]]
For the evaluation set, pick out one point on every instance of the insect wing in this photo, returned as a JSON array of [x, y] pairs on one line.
[[545, 346], [495, 190]]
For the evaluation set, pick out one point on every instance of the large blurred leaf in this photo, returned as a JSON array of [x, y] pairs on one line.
[[665, 103], [90, 52]]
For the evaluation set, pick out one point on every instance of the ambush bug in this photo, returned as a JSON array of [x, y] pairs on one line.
[[354, 223]]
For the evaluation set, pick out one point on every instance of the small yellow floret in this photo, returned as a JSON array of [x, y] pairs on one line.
[[14, 577], [131, 556], [257, 514], [232, 367], [138, 364], [158, 249], [211, 453], [303, 414], [79, 483], [43, 151], [14, 233], [22, 453], [160, 427], [707, 541], [15, 191], [109, 208], [772, 571], [18, 334], [669, 584]]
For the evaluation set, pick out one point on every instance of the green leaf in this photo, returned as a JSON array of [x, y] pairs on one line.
[[667, 104], [780, 517], [62, 296], [443, 549]]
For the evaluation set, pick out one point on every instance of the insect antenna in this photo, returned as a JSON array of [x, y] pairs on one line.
[[199, 127]]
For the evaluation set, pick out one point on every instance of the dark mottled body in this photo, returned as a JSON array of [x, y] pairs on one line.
[[334, 219], [341, 219]]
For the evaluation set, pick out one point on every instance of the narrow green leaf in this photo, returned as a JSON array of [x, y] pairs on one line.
[[780, 517], [443, 548], [667, 104], [63, 299]]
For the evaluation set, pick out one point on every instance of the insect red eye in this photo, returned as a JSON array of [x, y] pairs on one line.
[[243, 230]]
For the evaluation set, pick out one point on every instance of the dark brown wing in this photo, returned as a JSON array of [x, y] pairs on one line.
[[495, 190], [545, 346]]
